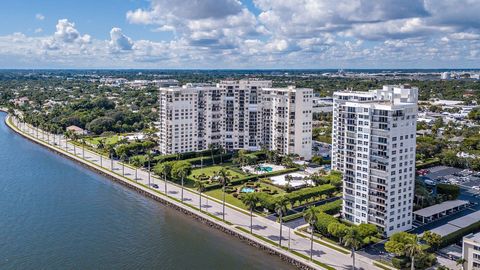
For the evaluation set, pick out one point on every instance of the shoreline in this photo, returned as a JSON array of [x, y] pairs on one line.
[[201, 216]]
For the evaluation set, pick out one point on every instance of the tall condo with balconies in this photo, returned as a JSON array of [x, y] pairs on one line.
[[246, 114], [374, 147]]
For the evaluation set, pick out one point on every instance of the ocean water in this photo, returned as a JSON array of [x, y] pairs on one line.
[[55, 214]]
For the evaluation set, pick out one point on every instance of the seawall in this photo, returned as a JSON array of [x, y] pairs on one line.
[[231, 230]]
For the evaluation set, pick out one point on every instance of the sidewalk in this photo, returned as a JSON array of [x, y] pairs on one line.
[[238, 218]]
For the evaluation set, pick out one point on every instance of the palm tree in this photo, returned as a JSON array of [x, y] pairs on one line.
[[461, 262], [281, 209], [74, 138], [250, 200], [149, 160], [211, 147], [163, 169], [183, 172], [224, 181], [200, 187], [111, 153], [221, 150], [310, 216], [412, 249], [83, 148], [123, 157], [353, 240]]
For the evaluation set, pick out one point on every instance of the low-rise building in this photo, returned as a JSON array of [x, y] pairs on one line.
[[471, 252], [77, 130]]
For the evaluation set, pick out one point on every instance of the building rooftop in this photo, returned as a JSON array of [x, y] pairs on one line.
[[439, 208], [473, 237]]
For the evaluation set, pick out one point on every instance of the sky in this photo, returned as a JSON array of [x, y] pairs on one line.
[[221, 34]]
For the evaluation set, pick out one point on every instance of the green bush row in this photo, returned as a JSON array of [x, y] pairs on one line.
[[330, 208], [187, 155], [458, 235]]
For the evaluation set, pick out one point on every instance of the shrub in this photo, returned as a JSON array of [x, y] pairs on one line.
[[451, 191], [458, 235], [323, 220], [331, 208], [308, 193]]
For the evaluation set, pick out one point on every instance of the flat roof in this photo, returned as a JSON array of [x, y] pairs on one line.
[[458, 224], [438, 208], [474, 237]]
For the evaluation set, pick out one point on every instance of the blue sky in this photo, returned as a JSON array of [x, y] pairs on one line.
[[240, 34]]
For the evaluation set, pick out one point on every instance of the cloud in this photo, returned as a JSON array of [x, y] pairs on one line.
[[38, 30], [67, 33], [119, 41], [39, 17], [272, 34]]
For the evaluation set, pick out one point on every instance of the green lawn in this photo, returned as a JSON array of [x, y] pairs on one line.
[[212, 170], [229, 198], [108, 140]]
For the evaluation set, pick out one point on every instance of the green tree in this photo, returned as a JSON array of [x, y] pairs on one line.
[[250, 200], [281, 209], [432, 239], [164, 170], [412, 249], [353, 240], [311, 217], [180, 170], [224, 180], [200, 188], [338, 230]]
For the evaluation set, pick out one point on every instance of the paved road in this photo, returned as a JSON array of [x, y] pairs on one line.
[[262, 226]]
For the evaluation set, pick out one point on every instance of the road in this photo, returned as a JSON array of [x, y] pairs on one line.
[[262, 226]]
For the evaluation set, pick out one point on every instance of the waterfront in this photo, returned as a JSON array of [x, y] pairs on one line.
[[55, 214]]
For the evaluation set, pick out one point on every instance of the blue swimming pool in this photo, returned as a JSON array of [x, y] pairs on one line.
[[265, 169], [247, 190]]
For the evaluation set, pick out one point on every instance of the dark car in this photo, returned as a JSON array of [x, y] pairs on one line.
[[154, 185]]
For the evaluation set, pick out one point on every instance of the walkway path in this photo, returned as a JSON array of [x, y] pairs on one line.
[[262, 226]]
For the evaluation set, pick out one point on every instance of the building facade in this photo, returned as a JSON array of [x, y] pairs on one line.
[[246, 114], [471, 252], [373, 145]]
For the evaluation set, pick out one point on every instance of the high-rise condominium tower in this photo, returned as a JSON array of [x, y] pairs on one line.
[[246, 114], [374, 147]]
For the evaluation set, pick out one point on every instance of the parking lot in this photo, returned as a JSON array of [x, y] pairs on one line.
[[464, 178]]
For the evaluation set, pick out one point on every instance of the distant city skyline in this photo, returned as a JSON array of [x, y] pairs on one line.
[[223, 34]]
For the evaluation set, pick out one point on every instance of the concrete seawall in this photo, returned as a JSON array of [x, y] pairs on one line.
[[285, 255]]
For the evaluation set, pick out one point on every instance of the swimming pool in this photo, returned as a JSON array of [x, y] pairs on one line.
[[247, 190], [265, 169]]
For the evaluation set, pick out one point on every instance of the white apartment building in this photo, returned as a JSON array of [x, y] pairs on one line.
[[471, 251], [374, 147], [246, 114]]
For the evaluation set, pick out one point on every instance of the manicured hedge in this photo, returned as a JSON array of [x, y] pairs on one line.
[[308, 193], [187, 155], [331, 208], [208, 160], [458, 235]]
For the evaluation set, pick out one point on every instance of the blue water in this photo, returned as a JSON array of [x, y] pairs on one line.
[[265, 168], [247, 190], [55, 214]]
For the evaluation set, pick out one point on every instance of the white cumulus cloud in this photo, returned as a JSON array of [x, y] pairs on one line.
[[119, 41]]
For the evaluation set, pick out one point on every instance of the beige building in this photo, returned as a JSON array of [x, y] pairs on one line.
[[471, 251], [245, 114]]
